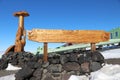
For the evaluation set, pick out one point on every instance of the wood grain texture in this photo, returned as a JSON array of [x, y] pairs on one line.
[[73, 36]]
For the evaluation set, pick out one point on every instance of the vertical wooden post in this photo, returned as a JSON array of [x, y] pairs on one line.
[[45, 56], [21, 33], [93, 47], [21, 21]]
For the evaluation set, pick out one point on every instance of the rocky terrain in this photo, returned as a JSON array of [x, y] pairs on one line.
[[59, 66]]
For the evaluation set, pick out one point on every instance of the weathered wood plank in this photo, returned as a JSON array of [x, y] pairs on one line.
[[74, 36]]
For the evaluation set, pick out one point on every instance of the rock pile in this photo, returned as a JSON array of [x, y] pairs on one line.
[[59, 66]]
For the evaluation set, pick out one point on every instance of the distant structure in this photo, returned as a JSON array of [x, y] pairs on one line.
[[115, 33], [40, 50]]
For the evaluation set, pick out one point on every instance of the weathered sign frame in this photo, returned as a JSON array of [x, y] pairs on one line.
[[68, 36]]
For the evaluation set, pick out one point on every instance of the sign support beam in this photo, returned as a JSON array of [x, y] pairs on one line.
[[45, 55], [93, 47]]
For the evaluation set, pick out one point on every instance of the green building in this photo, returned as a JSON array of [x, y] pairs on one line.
[[115, 33], [41, 49]]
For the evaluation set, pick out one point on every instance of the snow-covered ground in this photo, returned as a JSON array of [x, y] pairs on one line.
[[11, 67], [115, 53], [108, 72], [9, 77]]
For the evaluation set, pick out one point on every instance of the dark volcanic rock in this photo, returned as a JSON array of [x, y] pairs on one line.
[[63, 59], [84, 57], [14, 62], [55, 59], [37, 65], [3, 64], [72, 57], [94, 66], [97, 57], [65, 76], [55, 68], [24, 73], [58, 67], [71, 66], [33, 65], [33, 78], [56, 75], [85, 67], [45, 64], [48, 78], [38, 74], [7, 56]]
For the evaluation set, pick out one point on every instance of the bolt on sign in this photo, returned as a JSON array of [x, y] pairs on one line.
[[73, 36]]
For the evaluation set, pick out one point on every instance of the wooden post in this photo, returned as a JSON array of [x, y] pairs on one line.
[[93, 47], [45, 56], [20, 40], [21, 33]]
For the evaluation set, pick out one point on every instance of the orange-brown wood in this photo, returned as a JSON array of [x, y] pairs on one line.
[[93, 47], [45, 56], [20, 35], [10, 49], [73, 36]]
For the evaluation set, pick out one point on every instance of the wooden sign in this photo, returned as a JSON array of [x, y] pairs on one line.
[[73, 36]]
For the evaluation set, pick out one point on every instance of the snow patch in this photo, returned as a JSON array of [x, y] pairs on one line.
[[115, 53], [11, 67], [9, 77], [108, 72], [73, 77]]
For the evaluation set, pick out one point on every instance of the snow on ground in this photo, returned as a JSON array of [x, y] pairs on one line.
[[115, 53], [9, 77], [11, 67], [73, 77], [108, 72]]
